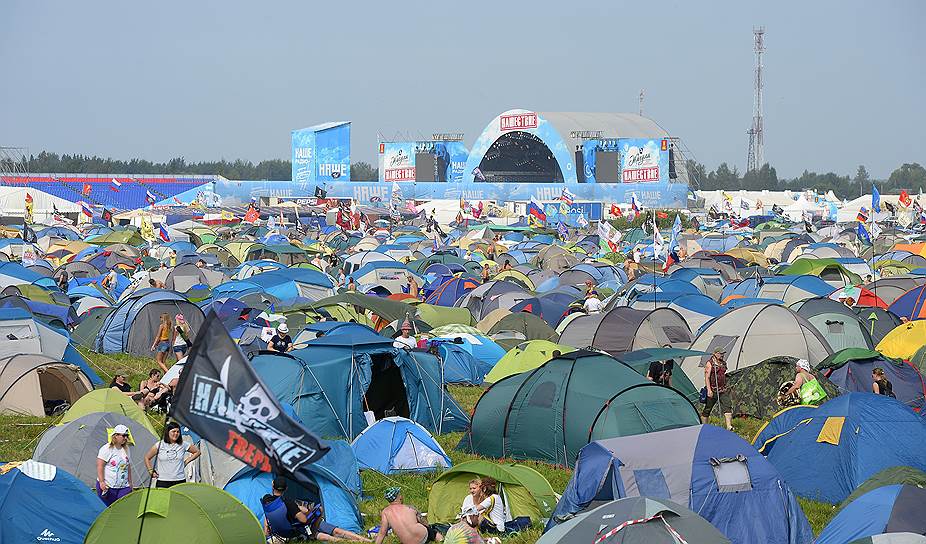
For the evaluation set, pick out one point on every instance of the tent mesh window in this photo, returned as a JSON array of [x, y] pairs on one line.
[[543, 395], [731, 474], [677, 335]]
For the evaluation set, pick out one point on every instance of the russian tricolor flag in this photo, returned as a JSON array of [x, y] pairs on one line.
[[162, 233], [86, 209], [535, 209], [116, 184], [150, 198]]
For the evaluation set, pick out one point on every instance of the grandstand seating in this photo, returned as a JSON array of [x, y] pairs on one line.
[[129, 196]]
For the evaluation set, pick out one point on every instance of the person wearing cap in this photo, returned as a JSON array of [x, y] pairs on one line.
[[805, 383], [405, 339], [281, 341], [183, 337], [113, 467], [309, 522], [172, 459], [715, 382], [405, 522], [592, 303]]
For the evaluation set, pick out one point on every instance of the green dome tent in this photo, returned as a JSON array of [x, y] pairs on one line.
[[549, 413], [888, 476], [526, 356], [189, 512], [526, 492], [107, 400]]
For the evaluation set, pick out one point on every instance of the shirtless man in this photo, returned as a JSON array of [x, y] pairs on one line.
[[404, 521]]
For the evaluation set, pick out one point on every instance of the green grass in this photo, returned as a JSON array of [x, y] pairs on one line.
[[19, 435]]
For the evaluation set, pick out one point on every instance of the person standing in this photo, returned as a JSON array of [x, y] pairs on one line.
[[715, 380], [661, 371], [162, 340], [880, 384], [486, 273], [183, 337], [412, 285], [171, 452], [592, 304], [113, 468]]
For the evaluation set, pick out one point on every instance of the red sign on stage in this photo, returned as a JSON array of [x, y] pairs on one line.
[[518, 121]]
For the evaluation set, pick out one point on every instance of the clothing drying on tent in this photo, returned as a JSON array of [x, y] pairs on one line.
[[826, 452], [481, 347], [888, 509], [192, 512], [43, 503], [549, 413], [710, 470], [636, 520], [526, 493], [396, 445]]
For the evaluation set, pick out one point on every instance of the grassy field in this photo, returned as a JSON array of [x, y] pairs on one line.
[[18, 436]]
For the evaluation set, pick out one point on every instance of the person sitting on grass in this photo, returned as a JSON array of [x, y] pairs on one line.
[[405, 522], [287, 519]]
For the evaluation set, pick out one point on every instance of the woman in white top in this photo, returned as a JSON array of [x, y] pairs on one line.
[[169, 469], [171, 452], [484, 496], [113, 468]]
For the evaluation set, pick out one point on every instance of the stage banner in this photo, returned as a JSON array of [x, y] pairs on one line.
[[589, 154], [398, 162], [332, 154], [303, 158], [644, 160], [455, 155]]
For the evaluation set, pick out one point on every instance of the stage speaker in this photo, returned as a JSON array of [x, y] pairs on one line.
[[425, 167], [607, 169], [580, 166], [672, 173]]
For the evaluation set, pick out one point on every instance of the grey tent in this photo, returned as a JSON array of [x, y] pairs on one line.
[[878, 321], [84, 334], [37, 385], [73, 446], [624, 329], [654, 522], [483, 299], [891, 288], [753, 333], [837, 322], [78, 269]]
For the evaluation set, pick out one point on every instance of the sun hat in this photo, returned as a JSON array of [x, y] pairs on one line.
[[282, 328], [121, 429]]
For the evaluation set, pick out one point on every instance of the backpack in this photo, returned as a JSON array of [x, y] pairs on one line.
[[718, 376]]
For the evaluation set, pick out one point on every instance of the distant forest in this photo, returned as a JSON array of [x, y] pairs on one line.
[[909, 176]]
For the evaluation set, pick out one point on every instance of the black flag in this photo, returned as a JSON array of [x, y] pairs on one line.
[[320, 193], [107, 216], [29, 234], [221, 398]]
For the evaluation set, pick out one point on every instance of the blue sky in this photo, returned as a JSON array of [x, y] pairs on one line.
[[845, 81]]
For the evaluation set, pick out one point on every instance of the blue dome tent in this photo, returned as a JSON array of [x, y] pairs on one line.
[[887, 509], [460, 366], [42, 503], [710, 470], [825, 453], [131, 326], [396, 445]]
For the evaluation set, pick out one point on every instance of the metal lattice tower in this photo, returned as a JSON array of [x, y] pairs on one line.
[[12, 160], [756, 156]]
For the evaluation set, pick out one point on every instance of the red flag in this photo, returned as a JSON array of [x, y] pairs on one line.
[[28, 198], [616, 210], [87, 188], [905, 199], [662, 215], [252, 216]]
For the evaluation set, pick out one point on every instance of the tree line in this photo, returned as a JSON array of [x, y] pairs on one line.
[[274, 169], [909, 176]]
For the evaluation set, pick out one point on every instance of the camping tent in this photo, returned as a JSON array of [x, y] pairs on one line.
[[638, 520], [42, 503], [192, 512], [460, 366], [826, 452], [131, 326], [904, 341], [107, 400], [38, 385], [73, 446], [888, 476], [850, 370], [754, 389], [336, 378], [23, 333], [624, 329], [396, 445], [750, 333], [888, 509], [710, 470], [550, 412], [526, 356], [526, 493], [840, 325]]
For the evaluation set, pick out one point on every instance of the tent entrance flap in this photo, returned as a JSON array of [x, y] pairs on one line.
[[386, 395]]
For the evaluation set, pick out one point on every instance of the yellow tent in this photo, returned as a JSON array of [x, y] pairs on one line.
[[904, 340]]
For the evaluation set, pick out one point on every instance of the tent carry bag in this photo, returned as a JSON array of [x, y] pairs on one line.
[[811, 392]]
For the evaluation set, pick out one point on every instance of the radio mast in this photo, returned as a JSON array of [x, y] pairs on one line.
[[756, 156]]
